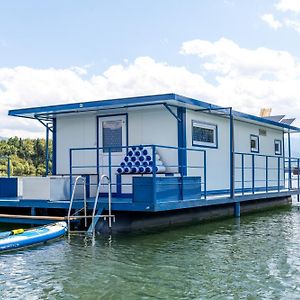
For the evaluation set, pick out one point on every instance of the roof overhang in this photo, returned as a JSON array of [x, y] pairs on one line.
[[50, 112]]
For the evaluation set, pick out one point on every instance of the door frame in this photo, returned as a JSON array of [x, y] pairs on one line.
[[97, 133]]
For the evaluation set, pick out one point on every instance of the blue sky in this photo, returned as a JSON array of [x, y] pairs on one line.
[[242, 53], [44, 34]]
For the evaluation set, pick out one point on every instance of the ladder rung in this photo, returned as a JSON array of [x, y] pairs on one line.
[[76, 216], [83, 217]]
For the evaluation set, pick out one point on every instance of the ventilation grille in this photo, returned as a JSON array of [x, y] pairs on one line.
[[262, 132]]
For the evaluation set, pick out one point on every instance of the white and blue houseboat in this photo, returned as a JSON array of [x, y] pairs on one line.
[[167, 159]]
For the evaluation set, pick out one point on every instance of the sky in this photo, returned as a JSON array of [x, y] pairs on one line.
[[239, 53]]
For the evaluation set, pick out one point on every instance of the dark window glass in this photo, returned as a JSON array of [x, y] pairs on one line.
[[112, 136], [203, 135], [253, 144]]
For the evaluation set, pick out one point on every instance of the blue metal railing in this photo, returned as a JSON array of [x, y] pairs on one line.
[[95, 166], [266, 176], [8, 164], [292, 173], [254, 173]]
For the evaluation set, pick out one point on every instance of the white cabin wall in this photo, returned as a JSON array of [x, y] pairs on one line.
[[218, 162], [158, 126], [155, 126], [73, 132], [243, 130], [218, 159], [145, 126]]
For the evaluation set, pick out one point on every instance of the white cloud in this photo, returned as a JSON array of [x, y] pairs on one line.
[[271, 21], [245, 79], [227, 58], [26, 87], [288, 15], [288, 5], [250, 79], [292, 23]]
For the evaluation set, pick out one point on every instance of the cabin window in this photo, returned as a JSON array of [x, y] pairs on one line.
[[277, 147], [112, 136], [204, 134], [254, 143]]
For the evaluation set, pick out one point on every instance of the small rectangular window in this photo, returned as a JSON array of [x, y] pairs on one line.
[[254, 143], [277, 147], [112, 136], [204, 134]]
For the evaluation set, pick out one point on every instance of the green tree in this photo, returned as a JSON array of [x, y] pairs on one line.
[[28, 156]]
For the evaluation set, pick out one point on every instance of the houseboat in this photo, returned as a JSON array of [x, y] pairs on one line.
[[152, 161]]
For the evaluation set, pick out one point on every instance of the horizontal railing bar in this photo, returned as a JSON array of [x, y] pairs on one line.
[[260, 180], [128, 147], [117, 166], [257, 168], [257, 155], [81, 167]]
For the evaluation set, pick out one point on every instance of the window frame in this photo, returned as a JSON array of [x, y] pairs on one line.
[[280, 147], [256, 137], [205, 125]]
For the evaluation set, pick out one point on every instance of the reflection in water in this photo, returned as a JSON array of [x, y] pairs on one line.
[[256, 257]]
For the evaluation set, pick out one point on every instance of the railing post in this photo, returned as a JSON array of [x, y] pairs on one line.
[[8, 167], [232, 162], [109, 163], [290, 167], [98, 163], [253, 174], [267, 174], [205, 183], [84, 201], [71, 175], [154, 173], [47, 150], [278, 173], [298, 179], [243, 173]]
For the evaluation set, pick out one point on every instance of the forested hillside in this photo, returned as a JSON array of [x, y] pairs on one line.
[[27, 156]]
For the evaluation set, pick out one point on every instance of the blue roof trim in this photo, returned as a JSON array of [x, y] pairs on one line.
[[235, 113], [121, 102], [91, 104]]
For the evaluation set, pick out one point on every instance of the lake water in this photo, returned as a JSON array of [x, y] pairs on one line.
[[256, 257]]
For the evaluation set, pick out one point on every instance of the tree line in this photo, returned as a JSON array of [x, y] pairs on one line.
[[27, 156]]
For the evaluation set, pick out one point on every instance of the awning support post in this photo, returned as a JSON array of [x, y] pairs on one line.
[[47, 149]]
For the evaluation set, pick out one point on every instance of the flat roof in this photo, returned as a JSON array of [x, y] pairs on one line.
[[164, 99]]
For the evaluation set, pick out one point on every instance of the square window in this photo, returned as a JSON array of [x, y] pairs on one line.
[[277, 147], [204, 134], [254, 143], [112, 136]]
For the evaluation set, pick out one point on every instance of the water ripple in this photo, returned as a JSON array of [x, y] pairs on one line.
[[257, 257]]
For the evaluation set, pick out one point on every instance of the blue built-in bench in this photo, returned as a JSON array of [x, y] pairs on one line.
[[167, 189], [9, 187]]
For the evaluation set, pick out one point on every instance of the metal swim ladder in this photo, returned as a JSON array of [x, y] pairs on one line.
[[75, 216], [109, 216], [94, 215]]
